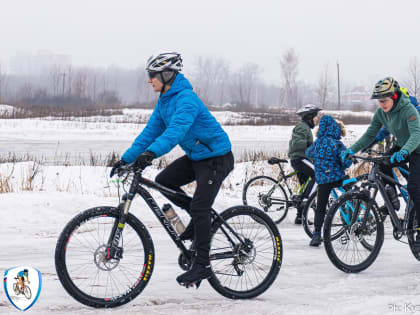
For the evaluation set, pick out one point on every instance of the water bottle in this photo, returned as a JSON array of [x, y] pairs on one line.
[[393, 197], [173, 218]]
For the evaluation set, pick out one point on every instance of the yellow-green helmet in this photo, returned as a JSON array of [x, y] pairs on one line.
[[385, 88], [404, 91]]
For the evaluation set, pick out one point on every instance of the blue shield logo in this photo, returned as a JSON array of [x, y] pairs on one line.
[[22, 286]]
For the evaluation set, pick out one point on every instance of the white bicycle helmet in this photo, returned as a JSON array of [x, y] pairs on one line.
[[164, 62], [308, 109]]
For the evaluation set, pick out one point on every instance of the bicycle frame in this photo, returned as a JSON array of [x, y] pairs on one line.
[[376, 182], [284, 177], [137, 188]]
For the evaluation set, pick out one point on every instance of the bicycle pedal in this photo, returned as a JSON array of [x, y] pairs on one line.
[[190, 284]]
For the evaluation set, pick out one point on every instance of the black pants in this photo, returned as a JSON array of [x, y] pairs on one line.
[[209, 175], [306, 170], [413, 180], [324, 191]]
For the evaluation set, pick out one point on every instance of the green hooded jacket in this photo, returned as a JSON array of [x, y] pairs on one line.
[[301, 139], [402, 122]]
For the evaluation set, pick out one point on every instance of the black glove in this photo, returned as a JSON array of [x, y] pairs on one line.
[[145, 159], [116, 167]]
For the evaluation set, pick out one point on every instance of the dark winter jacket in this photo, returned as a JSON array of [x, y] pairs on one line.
[[301, 139], [402, 122], [180, 117], [325, 152]]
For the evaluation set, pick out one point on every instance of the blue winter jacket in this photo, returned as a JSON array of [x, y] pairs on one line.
[[180, 117], [325, 152], [383, 133]]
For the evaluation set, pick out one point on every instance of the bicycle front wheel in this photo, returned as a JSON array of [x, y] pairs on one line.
[[308, 215], [88, 274], [27, 292], [265, 192], [244, 263], [351, 245], [412, 231]]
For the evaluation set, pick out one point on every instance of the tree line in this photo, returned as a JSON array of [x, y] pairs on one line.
[[214, 80]]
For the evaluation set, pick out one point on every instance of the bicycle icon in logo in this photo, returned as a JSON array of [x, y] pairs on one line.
[[19, 282]]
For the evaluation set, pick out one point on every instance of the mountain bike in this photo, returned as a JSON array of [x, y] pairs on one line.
[[353, 244], [105, 255], [270, 194], [24, 289], [308, 213]]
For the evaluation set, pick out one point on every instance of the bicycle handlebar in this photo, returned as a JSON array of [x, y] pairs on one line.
[[382, 159]]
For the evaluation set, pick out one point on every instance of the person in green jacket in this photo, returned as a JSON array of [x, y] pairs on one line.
[[401, 119], [301, 140]]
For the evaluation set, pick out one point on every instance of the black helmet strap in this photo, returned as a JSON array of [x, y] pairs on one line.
[[166, 82]]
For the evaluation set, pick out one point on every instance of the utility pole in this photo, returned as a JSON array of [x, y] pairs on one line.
[[64, 80], [338, 84]]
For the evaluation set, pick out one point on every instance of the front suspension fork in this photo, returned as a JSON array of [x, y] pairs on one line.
[[112, 249]]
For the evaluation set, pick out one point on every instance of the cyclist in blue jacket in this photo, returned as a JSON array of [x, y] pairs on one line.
[[180, 117]]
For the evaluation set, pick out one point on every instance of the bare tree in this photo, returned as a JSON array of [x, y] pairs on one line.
[[245, 82], [55, 73], [289, 63], [80, 83], [3, 84], [324, 86], [210, 75], [412, 81]]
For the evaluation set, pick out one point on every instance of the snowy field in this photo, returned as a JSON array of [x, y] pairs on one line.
[[58, 141], [307, 283]]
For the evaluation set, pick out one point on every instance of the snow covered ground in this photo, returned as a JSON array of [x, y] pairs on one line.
[[307, 283], [57, 141]]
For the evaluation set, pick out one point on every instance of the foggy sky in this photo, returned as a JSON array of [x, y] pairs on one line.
[[370, 38]]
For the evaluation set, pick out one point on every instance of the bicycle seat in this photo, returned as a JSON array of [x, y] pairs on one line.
[[274, 160]]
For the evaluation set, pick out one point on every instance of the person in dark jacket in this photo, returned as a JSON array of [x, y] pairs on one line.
[[329, 169], [301, 139], [399, 116], [180, 117]]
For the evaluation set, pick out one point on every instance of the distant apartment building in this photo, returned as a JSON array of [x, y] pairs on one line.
[[358, 99], [24, 63]]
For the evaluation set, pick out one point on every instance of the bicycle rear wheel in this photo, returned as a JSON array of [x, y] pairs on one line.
[[243, 270], [350, 246], [82, 265], [265, 192], [16, 289]]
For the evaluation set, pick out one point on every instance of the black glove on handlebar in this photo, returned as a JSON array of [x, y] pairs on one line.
[[145, 159], [117, 165]]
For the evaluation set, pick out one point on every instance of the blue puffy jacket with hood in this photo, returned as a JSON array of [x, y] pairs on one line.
[[180, 117], [325, 152]]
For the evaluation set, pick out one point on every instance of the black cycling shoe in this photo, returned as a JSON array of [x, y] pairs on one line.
[[197, 273], [188, 234], [298, 220], [316, 239]]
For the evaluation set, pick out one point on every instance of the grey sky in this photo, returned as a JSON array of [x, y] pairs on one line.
[[370, 38]]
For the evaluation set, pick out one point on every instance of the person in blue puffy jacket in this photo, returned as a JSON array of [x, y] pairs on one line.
[[181, 118], [329, 169]]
